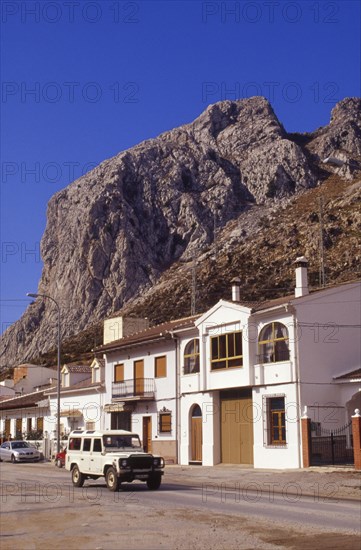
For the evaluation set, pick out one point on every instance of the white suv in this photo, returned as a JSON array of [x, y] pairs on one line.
[[116, 455]]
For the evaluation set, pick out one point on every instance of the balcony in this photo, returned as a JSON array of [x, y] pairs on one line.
[[140, 389], [273, 357]]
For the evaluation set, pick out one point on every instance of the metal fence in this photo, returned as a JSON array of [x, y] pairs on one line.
[[330, 447]]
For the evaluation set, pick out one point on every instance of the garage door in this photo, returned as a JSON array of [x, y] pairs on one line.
[[237, 429]]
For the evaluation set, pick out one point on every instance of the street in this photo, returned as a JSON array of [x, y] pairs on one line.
[[41, 509]]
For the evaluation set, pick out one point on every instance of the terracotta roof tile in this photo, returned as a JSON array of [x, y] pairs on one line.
[[21, 401], [78, 368], [162, 331]]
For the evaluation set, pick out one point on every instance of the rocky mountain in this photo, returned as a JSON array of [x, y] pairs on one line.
[[124, 236]]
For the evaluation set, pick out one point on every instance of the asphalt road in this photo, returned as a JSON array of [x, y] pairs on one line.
[[213, 514]]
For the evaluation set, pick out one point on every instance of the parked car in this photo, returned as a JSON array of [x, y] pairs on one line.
[[18, 451], [115, 455], [60, 458]]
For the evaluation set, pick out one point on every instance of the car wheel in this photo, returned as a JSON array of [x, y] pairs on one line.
[[154, 482], [13, 459], [112, 479], [58, 463], [77, 477]]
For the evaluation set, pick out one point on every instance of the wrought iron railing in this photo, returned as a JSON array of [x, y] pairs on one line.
[[279, 355], [137, 388], [333, 446]]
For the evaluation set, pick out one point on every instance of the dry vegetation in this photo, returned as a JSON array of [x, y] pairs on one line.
[[259, 247]]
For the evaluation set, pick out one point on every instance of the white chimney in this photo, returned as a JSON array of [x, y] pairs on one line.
[[236, 285], [301, 288]]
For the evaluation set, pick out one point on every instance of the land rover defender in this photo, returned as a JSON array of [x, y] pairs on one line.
[[116, 455]]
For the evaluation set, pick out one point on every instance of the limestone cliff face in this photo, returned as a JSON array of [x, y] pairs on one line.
[[112, 233]]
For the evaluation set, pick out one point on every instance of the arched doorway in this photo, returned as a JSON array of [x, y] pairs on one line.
[[196, 434]]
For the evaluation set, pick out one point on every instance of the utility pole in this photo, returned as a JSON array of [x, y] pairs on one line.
[[322, 280], [194, 286], [215, 234]]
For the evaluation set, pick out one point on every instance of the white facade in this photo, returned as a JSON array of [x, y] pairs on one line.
[[143, 386], [228, 386], [157, 393], [323, 340], [28, 377]]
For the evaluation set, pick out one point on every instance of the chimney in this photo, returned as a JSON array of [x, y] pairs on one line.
[[301, 288], [236, 285]]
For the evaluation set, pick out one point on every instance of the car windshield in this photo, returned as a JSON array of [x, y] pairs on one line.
[[19, 445], [114, 442]]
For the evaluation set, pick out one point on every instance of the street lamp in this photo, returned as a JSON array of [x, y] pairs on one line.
[[31, 295]]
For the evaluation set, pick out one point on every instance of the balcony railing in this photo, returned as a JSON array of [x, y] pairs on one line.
[[279, 355], [137, 389]]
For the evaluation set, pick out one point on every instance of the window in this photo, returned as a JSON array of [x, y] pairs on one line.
[[226, 351], [74, 443], [273, 343], [160, 367], [86, 444], [165, 422], [191, 357], [97, 446], [65, 379], [119, 373], [276, 421], [28, 425]]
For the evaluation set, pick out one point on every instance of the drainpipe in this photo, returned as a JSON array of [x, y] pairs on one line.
[[177, 394], [292, 309]]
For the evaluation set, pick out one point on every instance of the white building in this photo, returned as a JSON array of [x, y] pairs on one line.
[[143, 385], [260, 365], [23, 406], [81, 399]]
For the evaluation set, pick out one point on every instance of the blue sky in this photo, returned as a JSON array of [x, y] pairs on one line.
[[83, 80]]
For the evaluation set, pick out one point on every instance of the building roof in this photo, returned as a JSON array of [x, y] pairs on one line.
[[78, 368], [22, 401], [82, 385], [349, 376], [151, 334]]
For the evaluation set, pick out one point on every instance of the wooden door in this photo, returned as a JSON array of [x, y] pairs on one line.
[[196, 435], [147, 434], [7, 428], [138, 377], [19, 428], [237, 431]]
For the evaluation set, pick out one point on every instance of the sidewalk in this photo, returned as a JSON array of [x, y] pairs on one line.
[[319, 483]]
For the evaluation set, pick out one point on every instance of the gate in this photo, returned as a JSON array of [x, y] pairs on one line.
[[330, 447]]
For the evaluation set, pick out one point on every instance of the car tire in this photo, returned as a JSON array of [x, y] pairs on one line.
[[58, 463], [154, 482], [77, 477], [112, 479], [13, 459]]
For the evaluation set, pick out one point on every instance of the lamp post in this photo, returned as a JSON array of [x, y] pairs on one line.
[[31, 295]]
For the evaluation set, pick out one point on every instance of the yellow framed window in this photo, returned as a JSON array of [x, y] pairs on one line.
[[273, 343], [191, 357], [277, 421], [226, 351]]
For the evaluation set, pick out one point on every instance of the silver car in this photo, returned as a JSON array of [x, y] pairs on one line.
[[18, 451]]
